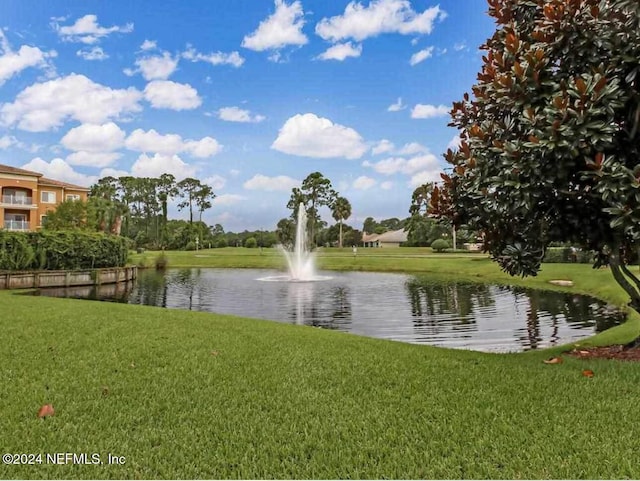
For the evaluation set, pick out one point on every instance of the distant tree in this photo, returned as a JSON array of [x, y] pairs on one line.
[[188, 191], [217, 230], [550, 141], [392, 224], [420, 199], [341, 210], [316, 191], [370, 225], [419, 230], [70, 214], [167, 189], [286, 232], [203, 198], [352, 237]]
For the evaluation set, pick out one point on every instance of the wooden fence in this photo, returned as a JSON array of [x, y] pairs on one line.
[[89, 277]]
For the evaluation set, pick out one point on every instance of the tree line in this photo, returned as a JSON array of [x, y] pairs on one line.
[[136, 208]]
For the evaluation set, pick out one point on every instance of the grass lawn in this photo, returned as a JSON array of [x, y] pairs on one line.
[[195, 395]]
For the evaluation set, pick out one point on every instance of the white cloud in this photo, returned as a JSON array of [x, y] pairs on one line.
[[170, 144], [109, 172], [234, 172], [87, 30], [454, 143], [282, 28], [381, 16], [460, 46], [93, 159], [278, 183], [94, 138], [397, 106], [412, 148], [94, 53], [148, 45], [227, 199], [425, 176], [311, 136], [203, 148], [157, 67], [8, 141], [341, 51], [216, 182], [422, 55], [386, 185], [12, 63], [422, 111], [394, 165], [157, 165], [44, 106], [383, 146], [152, 141], [165, 94], [58, 169], [363, 183], [216, 58], [235, 114]]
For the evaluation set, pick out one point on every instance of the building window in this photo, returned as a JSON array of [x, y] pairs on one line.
[[48, 197], [73, 197], [43, 220]]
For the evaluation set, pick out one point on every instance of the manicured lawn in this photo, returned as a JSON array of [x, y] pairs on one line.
[[195, 395]]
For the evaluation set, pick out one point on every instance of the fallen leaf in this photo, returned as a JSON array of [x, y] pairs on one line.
[[214, 353], [553, 360], [588, 373], [46, 410], [105, 391], [133, 365]]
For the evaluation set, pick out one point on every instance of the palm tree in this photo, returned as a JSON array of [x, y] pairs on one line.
[[341, 210]]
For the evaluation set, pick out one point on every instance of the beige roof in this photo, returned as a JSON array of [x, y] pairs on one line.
[[7, 169], [399, 235], [57, 183]]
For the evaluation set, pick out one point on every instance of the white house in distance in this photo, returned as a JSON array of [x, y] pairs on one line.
[[389, 239]]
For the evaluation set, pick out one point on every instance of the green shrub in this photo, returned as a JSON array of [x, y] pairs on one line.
[[222, 242], [191, 246], [251, 243], [16, 253], [162, 261], [439, 245], [555, 255], [61, 250]]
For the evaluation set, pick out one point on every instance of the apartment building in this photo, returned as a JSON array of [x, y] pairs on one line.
[[27, 196]]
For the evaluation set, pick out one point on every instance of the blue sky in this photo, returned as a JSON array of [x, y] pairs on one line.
[[249, 96]]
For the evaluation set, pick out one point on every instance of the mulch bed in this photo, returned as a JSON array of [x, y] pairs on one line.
[[619, 352]]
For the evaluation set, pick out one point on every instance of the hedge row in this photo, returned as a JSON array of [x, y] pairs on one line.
[[61, 250], [567, 254]]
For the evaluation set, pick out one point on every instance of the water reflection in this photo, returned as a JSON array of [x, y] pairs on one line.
[[316, 304], [446, 313], [391, 306]]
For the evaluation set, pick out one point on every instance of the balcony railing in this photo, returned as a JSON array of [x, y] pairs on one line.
[[17, 200], [16, 224]]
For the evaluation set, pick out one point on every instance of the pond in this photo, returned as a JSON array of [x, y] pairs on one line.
[[400, 307]]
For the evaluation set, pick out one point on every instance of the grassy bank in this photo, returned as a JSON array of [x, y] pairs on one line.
[[194, 395]]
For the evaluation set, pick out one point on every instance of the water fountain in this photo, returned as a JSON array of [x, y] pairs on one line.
[[300, 261]]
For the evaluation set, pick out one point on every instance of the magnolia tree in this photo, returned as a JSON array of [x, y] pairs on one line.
[[550, 138]]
